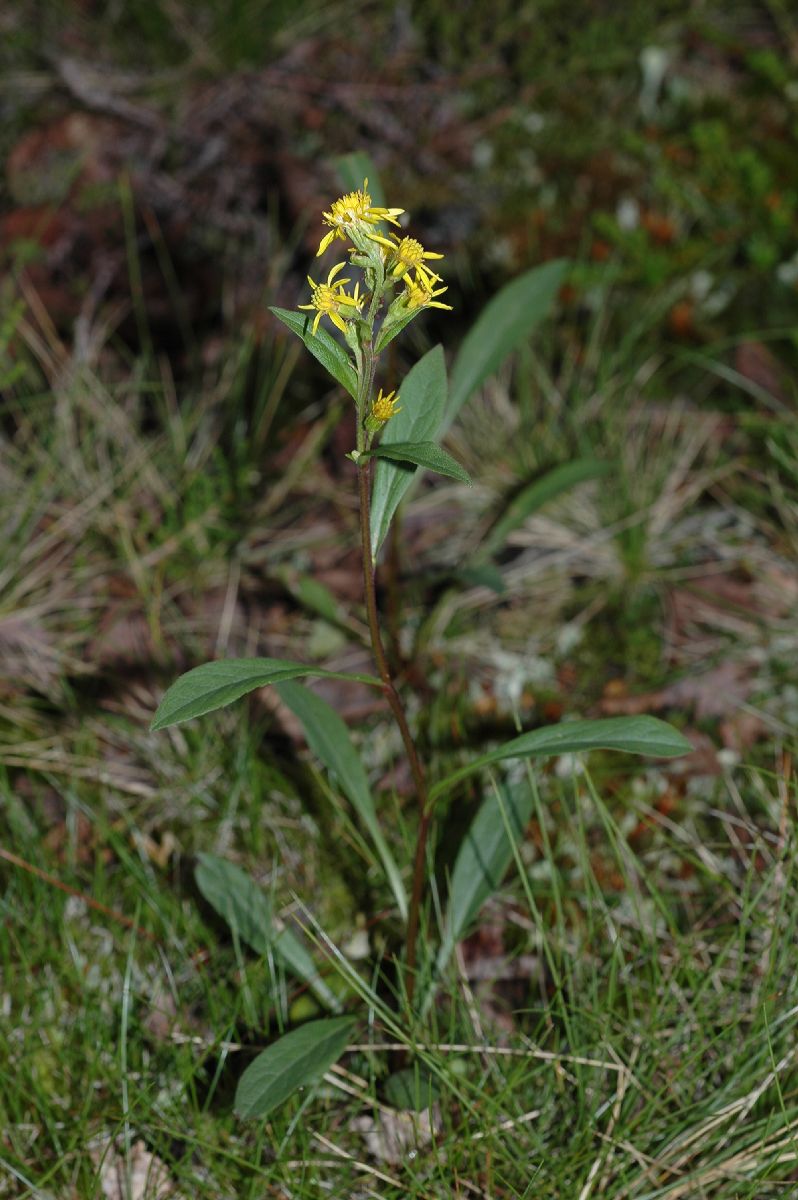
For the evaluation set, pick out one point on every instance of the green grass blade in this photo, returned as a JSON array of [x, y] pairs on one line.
[[216, 684]]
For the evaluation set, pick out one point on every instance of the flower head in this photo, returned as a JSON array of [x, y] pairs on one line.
[[382, 409], [406, 254], [419, 293], [329, 300], [354, 213]]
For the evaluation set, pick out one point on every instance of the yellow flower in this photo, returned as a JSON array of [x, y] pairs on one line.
[[329, 300], [420, 294], [406, 254], [382, 409], [385, 407], [353, 212]]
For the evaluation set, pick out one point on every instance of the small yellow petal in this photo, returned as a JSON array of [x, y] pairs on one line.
[[375, 237], [325, 241]]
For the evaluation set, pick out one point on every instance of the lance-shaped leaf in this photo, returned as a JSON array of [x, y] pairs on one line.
[[215, 684], [241, 903], [311, 593], [532, 497], [392, 328], [501, 327], [482, 860], [323, 347], [634, 735], [421, 454], [296, 1060], [482, 574], [353, 168], [423, 400], [329, 738]]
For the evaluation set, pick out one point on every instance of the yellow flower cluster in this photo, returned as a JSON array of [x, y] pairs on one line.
[[382, 409], [421, 294], [405, 255], [330, 300], [353, 211], [353, 217]]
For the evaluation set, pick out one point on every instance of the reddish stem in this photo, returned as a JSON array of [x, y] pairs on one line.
[[397, 708]]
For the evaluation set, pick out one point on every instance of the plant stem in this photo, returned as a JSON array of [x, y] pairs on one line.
[[392, 696]]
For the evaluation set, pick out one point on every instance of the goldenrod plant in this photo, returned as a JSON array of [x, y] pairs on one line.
[[386, 280]]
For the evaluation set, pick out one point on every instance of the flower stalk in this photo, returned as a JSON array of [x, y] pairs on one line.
[[397, 708], [386, 262]]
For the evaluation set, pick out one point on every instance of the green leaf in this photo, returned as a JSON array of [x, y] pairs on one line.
[[482, 861], [501, 327], [412, 1089], [481, 574], [634, 735], [391, 329], [296, 1060], [353, 169], [241, 903], [423, 401], [297, 959], [312, 594], [237, 899], [215, 684], [540, 492], [323, 347], [328, 737], [423, 454]]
